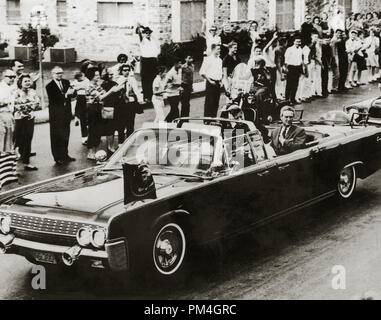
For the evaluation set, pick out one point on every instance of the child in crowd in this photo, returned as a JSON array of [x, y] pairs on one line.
[[158, 87]]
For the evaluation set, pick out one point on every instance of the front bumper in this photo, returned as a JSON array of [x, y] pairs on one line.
[[114, 257]]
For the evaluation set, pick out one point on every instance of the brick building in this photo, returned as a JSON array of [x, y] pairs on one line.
[[100, 29]]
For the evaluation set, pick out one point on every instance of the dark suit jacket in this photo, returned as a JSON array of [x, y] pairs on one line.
[[296, 139], [59, 106]]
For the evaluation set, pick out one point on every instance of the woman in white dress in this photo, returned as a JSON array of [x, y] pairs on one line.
[[372, 46]]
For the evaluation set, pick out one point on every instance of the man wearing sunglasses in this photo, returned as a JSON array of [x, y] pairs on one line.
[[129, 98]]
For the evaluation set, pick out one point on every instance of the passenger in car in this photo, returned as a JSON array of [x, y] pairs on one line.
[[288, 137]]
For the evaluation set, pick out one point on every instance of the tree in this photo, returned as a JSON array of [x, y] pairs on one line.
[[28, 36]]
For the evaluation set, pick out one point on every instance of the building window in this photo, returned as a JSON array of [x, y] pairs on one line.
[[239, 10], [115, 13], [61, 11], [13, 11], [347, 5], [242, 9], [285, 10], [192, 14]]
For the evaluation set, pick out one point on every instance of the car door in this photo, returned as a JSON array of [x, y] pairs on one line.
[[295, 180], [252, 185]]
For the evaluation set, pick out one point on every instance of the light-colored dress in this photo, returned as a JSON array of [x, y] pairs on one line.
[[372, 43]]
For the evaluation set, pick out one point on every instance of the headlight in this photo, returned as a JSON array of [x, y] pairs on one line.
[[84, 236], [5, 224], [98, 238]]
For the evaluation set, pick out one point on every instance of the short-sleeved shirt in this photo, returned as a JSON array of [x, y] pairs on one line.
[[173, 81], [230, 63]]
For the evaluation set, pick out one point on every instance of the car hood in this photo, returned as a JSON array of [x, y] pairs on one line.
[[95, 196]]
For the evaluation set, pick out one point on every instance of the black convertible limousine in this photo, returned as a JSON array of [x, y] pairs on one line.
[[170, 187]]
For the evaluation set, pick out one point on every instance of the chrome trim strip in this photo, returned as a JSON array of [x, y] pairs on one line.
[[89, 253]]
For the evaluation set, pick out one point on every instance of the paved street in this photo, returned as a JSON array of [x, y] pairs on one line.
[[291, 259]]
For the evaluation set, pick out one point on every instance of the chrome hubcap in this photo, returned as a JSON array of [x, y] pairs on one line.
[[346, 180], [169, 248]]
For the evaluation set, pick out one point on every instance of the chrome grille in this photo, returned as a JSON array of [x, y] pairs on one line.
[[45, 230], [45, 237]]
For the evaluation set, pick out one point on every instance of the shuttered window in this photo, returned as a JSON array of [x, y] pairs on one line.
[[285, 10], [13, 11], [191, 14], [115, 13], [61, 11]]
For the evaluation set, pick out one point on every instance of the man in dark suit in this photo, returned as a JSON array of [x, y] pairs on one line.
[[288, 137], [60, 115]]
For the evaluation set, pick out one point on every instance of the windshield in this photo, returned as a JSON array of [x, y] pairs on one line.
[[175, 150]]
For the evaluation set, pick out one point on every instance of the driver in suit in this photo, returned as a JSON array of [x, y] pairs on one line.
[[288, 137]]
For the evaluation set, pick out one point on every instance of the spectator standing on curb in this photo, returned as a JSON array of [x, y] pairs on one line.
[[158, 94], [128, 102], [150, 50], [173, 88], [6, 116], [81, 85], [211, 71], [316, 62], [187, 85], [211, 37], [8, 162], [60, 115], [327, 60], [25, 103], [372, 46], [293, 62], [269, 55], [228, 65]]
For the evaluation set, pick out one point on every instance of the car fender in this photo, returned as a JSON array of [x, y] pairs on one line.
[[358, 165], [170, 215]]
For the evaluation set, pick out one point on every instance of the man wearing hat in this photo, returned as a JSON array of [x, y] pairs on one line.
[[150, 50]]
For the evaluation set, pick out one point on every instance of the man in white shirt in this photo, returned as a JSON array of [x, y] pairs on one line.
[[353, 46], [211, 71], [150, 50], [293, 63], [173, 90], [211, 38]]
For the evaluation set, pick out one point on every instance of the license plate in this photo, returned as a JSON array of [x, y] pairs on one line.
[[44, 257]]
